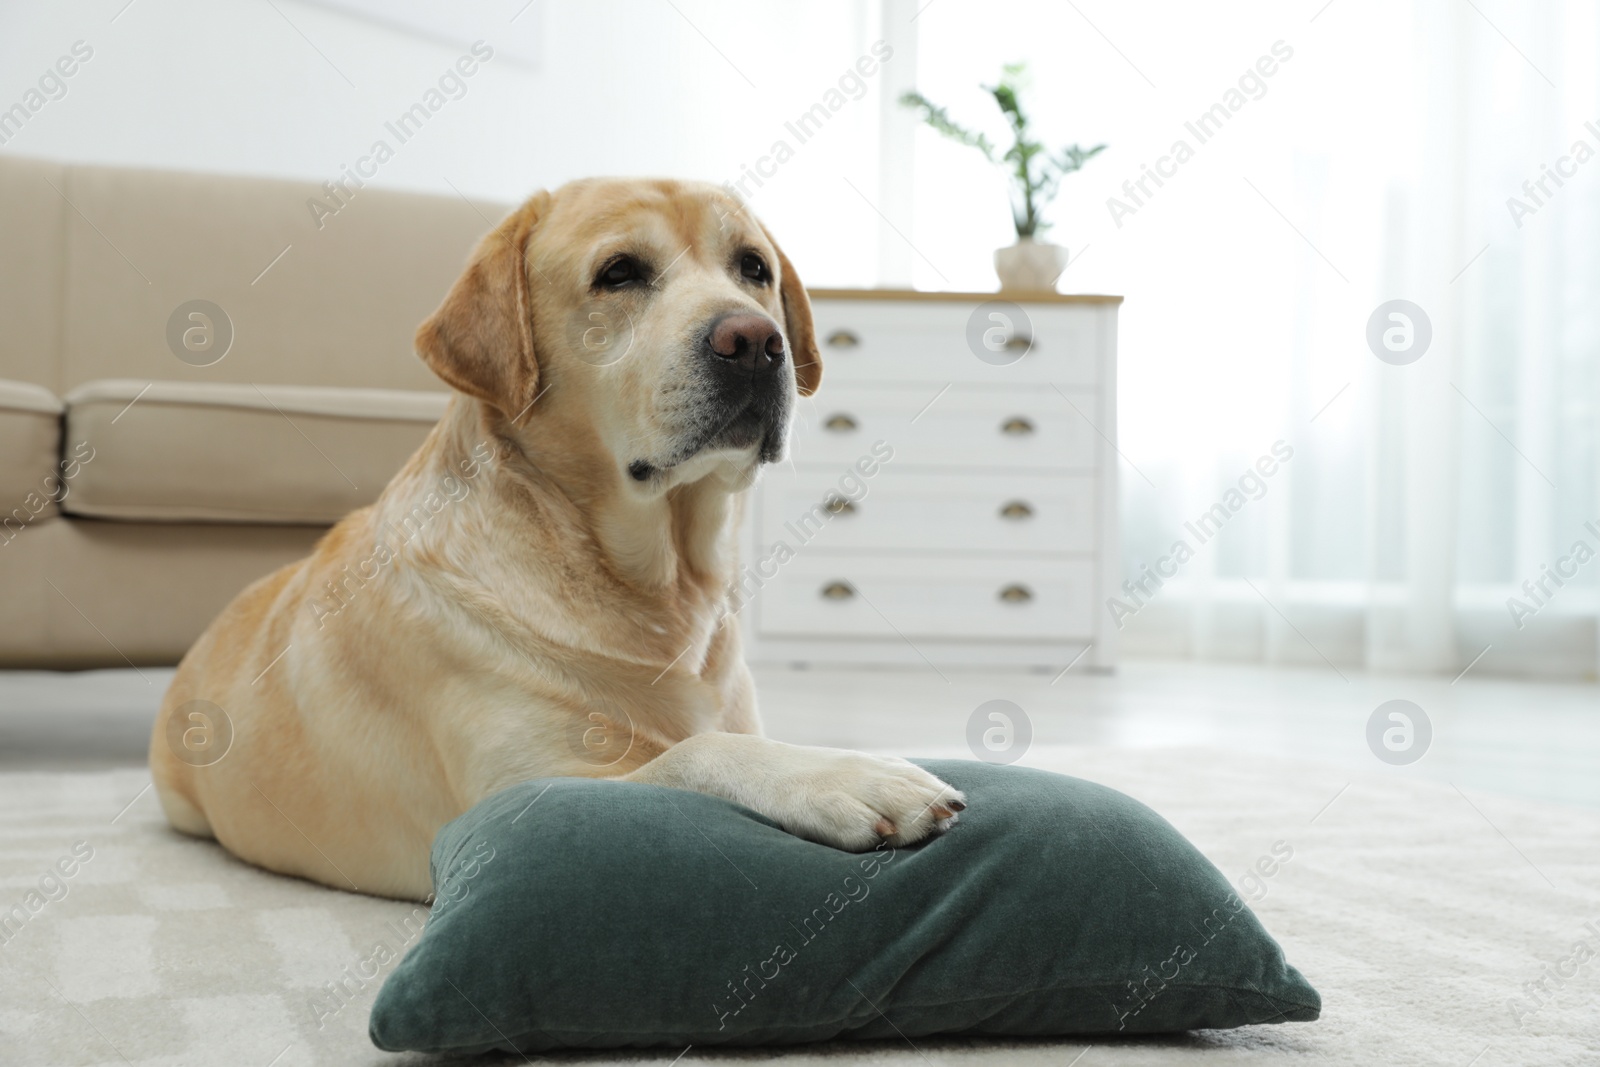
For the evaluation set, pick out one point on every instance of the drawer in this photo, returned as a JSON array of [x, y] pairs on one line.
[[966, 426], [929, 341], [926, 511], [927, 598]]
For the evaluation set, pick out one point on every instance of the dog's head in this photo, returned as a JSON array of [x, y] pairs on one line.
[[656, 322]]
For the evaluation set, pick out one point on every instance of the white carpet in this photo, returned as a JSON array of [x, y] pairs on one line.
[[1418, 912]]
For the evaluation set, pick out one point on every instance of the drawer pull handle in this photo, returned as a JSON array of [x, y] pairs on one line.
[[838, 505], [1016, 594], [1017, 426], [840, 423], [843, 339], [1019, 342], [838, 591], [1017, 509]]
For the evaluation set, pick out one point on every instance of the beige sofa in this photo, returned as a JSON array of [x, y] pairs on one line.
[[140, 491]]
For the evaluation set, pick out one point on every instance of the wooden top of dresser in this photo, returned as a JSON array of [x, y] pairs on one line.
[[964, 298]]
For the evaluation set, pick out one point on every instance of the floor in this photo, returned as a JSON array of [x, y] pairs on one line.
[[1423, 915], [1421, 911], [1518, 738]]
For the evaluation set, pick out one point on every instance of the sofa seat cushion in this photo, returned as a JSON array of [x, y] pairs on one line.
[[30, 449], [185, 451]]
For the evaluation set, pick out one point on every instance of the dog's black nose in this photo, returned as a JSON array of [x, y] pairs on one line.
[[747, 340]]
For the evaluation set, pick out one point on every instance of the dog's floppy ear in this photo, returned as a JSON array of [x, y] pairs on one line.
[[798, 325], [480, 340]]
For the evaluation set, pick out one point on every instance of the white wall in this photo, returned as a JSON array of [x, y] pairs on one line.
[[300, 89]]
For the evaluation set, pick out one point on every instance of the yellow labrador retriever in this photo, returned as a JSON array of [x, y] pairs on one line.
[[544, 589]]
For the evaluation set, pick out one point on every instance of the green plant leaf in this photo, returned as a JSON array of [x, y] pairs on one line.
[[939, 118], [1034, 174]]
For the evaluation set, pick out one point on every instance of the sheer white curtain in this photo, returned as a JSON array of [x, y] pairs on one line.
[[1375, 164]]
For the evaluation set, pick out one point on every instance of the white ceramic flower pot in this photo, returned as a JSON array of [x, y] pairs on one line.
[[1029, 265]]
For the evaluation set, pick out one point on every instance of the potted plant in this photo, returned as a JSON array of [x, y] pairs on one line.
[[1035, 175]]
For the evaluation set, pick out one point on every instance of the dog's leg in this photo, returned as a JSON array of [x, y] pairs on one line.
[[849, 800]]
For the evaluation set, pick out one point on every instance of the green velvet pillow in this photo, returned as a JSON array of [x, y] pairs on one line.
[[577, 913]]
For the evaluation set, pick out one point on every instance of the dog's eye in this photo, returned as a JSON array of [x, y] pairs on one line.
[[754, 267], [618, 272]]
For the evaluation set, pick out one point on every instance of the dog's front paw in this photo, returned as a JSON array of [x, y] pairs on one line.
[[855, 802]]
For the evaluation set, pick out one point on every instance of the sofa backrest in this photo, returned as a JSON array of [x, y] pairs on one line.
[[95, 261]]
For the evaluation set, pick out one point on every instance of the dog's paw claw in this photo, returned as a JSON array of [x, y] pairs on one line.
[[857, 802]]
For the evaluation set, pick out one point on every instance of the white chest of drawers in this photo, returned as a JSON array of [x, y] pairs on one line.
[[951, 497]]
